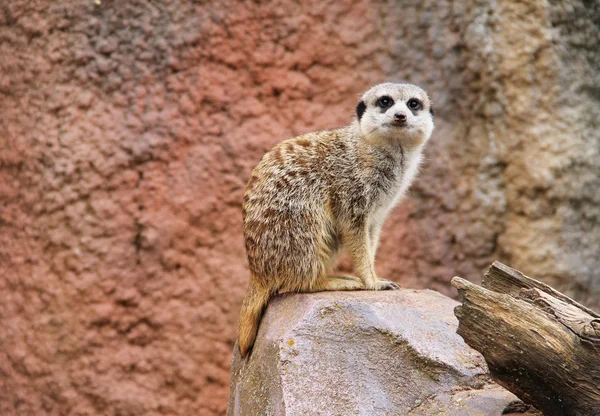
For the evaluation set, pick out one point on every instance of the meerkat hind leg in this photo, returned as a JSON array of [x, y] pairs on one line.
[[336, 282]]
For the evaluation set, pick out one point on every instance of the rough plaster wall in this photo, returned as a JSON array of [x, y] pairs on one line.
[[129, 129], [533, 169], [514, 169]]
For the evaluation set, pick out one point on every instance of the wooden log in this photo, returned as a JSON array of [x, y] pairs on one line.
[[538, 343], [503, 279]]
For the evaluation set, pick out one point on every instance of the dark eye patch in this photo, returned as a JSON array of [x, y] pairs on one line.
[[385, 102], [414, 104], [360, 109]]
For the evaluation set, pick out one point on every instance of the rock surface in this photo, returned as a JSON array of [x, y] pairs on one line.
[[362, 353]]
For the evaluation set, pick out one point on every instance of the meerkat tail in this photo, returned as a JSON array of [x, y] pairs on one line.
[[252, 311]]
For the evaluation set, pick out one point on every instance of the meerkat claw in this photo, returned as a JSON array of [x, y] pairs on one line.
[[388, 285]]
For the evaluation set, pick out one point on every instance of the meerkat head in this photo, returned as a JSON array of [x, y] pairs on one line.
[[401, 112]]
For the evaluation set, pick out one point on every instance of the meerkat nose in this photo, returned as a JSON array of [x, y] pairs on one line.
[[400, 117]]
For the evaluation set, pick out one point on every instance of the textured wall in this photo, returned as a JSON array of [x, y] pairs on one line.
[[128, 131]]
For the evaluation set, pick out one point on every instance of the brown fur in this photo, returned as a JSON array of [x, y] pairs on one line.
[[319, 193]]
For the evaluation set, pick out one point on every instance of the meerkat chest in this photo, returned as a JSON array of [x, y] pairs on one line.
[[403, 175]]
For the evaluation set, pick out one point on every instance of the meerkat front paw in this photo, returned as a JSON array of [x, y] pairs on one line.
[[388, 285], [382, 284]]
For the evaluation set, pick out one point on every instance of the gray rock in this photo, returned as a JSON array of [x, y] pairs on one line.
[[362, 353]]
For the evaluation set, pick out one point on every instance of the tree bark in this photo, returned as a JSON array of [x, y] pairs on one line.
[[538, 343]]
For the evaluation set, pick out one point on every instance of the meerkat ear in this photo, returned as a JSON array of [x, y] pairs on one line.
[[432, 111], [360, 109]]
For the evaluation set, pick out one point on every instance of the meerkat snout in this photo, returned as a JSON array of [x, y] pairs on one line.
[[400, 118]]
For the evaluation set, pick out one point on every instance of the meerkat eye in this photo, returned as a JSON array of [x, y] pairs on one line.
[[385, 102], [414, 104]]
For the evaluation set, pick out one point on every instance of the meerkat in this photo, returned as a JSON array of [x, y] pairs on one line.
[[317, 194]]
